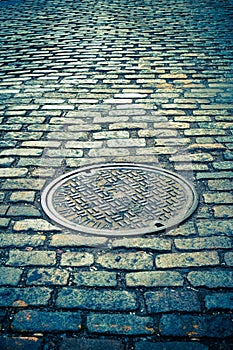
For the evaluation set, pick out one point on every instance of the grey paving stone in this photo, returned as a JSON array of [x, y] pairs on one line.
[[26, 211], [47, 277], [10, 275], [187, 259], [228, 257], [154, 279], [13, 172], [211, 279], [219, 301], [176, 345], [96, 299], [22, 297], [75, 240], [28, 258], [95, 279], [158, 244], [90, 344], [21, 343], [196, 326], [33, 321], [215, 242], [77, 259], [167, 300], [4, 222], [119, 324], [215, 227], [128, 261], [21, 240], [23, 196], [34, 225], [23, 184]]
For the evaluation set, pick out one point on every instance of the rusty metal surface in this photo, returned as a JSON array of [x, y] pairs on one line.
[[119, 199]]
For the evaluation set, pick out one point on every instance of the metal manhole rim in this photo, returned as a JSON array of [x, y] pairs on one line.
[[49, 189]]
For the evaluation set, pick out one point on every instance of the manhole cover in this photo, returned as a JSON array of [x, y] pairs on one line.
[[119, 199]]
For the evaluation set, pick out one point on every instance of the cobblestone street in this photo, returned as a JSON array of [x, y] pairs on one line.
[[88, 82]]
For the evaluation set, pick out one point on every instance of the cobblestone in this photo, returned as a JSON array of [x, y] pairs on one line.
[[21, 297], [154, 279], [10, 275], [158, 244], [187, 260], [145, 345], [77, 259], [22, 343], [228, 257], [47, 276], [119, 324], [35, 321], [211, 279], [88, 344], [20, 240], [25, 258], [203, 243], [195, 326], [128, 261], [170, 300], [96, 300], [95, 82], [95, 279], [219, 301]]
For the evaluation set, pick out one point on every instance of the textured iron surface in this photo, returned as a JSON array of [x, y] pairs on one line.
[[119, 199]]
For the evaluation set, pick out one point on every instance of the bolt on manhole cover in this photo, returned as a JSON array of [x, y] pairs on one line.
[[119, 199]]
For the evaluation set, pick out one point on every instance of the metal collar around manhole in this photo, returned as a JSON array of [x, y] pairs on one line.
[[120, 199]]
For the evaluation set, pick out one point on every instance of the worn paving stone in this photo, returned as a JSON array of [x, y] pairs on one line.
[[219, 301], [223, 211], [20, 240], [33, 321], [47, 276], [96, 299], [228, 257], [89, 344], [75, 240], [154, 279], [16, 172], [203, 243], [4, 222], [167, 300], [119, 324], [196, 326], [211, 279], [10, 275], [77, 259], [23, 196], [23, 184], [20, 343], [187, 259], [158, 244], [95, 279], [176, 345], [28, 258], [34, 225], [23, 297], [128, 261], [215, 227], [26, 211]]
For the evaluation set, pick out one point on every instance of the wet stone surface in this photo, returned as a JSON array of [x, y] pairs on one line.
[[109, 82]]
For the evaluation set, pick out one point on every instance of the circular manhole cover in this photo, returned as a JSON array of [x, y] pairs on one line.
[[119, 199]]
